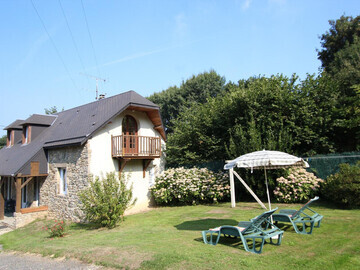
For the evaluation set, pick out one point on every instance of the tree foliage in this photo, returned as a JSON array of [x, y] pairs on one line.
[[344, 187], [340, 59], [274, 113], [3, 141], [52, 110], [342, 33], [196, 89]]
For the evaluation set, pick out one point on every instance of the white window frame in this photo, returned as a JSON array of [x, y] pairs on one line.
[[26, 135], [63, 181], [24, 195]]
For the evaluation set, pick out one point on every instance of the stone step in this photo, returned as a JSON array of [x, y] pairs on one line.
[[4, 229]]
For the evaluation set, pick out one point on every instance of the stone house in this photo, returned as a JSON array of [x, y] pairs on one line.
[[49, 158]]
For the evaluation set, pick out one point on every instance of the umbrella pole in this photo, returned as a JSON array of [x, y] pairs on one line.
[[267, 188], [268, 194]]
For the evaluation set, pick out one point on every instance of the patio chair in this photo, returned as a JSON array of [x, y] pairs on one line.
[[260, 228], [306, 220]]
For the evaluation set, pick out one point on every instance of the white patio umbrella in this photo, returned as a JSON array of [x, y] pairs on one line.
[[266, 160]]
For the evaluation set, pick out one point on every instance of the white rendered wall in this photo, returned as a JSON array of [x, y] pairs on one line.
[[101, 161]]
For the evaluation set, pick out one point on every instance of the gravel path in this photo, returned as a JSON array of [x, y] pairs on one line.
[[29, 261]]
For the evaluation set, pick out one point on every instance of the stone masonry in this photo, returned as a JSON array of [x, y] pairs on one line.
[[75, 160]]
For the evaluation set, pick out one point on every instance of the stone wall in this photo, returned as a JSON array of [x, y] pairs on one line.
[[21, 220], [65, 206]]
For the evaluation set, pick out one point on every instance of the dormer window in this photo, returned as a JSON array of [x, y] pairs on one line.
[[10, 138], [26, 135]]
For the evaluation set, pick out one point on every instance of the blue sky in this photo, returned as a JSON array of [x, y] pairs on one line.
[[148, 46]]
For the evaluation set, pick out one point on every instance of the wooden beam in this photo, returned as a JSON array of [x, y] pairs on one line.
[[34, 167], [146, 164], [122, 163], [34, 209], [26, 182], [18, 195], [2, 200]]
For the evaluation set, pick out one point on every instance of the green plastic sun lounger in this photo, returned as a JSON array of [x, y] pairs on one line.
[[253, 234], [305, 218]]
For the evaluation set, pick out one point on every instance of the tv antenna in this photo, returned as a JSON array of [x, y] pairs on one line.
[[97, 80]]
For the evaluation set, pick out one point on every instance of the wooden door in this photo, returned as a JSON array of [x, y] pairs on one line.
[[130, 131]]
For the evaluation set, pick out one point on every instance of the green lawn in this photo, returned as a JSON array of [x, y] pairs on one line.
[[170, 238]]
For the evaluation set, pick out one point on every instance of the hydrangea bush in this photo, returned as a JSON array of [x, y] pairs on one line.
[[298, 186], [190, 186]]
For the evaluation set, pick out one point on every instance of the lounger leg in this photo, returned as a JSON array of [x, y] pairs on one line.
[[318, 224], [253, 249], [304, 227], [278, 241], [210, 241]]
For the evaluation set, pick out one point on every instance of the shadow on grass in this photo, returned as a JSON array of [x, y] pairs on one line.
[[232, 242], [84, 226], [204, 224]]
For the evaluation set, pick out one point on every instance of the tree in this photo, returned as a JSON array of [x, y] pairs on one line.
[[343, 32], [52, 110], [276, 113], [196, 89], [340, 59], [3, 141]]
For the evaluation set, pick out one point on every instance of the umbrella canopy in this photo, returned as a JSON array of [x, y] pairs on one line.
[[265, 159]]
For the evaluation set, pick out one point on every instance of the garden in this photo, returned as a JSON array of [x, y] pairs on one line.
[[190, 201], [170, 238]]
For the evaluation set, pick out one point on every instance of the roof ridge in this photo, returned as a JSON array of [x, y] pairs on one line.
[[99, 100]]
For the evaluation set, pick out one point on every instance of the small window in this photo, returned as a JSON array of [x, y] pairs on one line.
[[10, 138], [63, 181], [8, 190], [26, 134]]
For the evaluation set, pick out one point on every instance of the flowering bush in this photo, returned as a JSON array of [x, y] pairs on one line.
[[298, 186], [57, 229], [190, 186]]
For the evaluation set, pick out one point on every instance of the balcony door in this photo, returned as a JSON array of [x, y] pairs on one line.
[[130, 132]]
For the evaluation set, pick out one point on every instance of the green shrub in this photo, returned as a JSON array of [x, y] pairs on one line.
[[190, 186], [105, 201], [298, 186], [344, 187]]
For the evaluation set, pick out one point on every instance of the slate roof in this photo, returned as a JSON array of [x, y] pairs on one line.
[[71, 127], [39, 119], [15, 125]]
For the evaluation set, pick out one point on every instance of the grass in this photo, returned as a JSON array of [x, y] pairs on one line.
[[170, 238]]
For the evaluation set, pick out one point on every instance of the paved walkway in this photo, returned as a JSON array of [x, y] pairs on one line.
[[4, 229], [28, 262]]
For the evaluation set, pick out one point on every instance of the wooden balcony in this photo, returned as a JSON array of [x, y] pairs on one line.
[[135, 147]]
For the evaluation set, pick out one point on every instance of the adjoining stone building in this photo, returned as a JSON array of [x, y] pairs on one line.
[[49, 158]]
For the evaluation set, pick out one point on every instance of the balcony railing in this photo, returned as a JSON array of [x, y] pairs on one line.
[[133, 146]]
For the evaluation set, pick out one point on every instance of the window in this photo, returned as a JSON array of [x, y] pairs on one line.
[[24, 195], [8, 189], [10, 138], [26, 134], [63, 181]]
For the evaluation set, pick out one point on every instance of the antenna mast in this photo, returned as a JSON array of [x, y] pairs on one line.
[[97, 79]]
